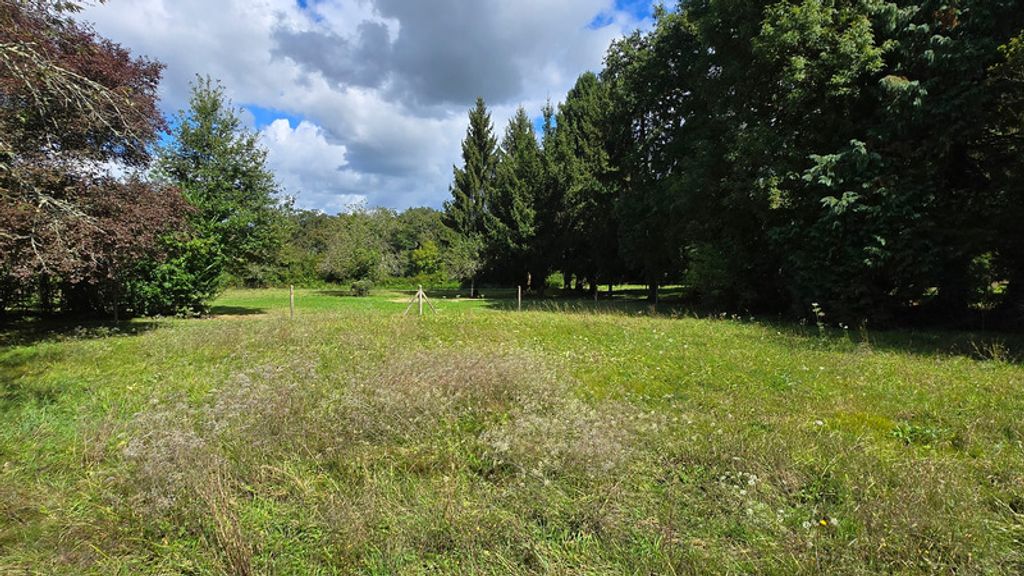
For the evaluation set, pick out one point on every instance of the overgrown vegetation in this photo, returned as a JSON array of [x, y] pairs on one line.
[[353, 440], [853, 163]]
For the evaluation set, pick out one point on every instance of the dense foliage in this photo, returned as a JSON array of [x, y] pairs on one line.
[[74, 107], [860, 158], [88, 222], [235, 225], [860, 155], [376, 245]]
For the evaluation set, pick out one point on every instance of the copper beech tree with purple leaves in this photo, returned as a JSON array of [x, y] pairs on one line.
[[78, 118]]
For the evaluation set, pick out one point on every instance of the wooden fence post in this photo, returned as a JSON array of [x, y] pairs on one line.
[[519, 298], [291, 300]]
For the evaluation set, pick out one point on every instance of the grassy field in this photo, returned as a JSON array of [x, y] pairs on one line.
[[571, 438]]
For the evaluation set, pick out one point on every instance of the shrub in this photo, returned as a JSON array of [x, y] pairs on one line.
[[362, 287], [182, 284]]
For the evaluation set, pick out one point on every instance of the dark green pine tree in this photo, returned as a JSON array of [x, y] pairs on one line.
[[547, 248], [587, 182], [474, 185], [511, 216], [237, 224], [474, 182]]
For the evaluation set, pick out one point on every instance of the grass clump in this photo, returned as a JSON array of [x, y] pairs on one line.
[[442, 445]]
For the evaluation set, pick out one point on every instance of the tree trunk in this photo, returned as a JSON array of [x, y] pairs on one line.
[[1011, 310], [45, 294], [540, 282]]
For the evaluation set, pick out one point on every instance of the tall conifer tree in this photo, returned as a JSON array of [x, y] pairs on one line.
[[587, 180], [221, 168], [511, 217], [474, 184]]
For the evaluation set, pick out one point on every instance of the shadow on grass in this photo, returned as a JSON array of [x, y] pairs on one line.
[[632, 301], [925, 342], [29, 330], [335, 293], [19, 357], [15, 389], [236, 311], [973, 344]]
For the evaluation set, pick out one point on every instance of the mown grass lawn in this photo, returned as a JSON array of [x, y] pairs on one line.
[[571, 438]]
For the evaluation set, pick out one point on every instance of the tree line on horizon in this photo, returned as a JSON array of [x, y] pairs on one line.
[[861, 157]]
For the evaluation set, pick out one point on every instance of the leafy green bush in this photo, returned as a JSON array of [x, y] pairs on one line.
[[554, 280], [362, 287], [180, 285]]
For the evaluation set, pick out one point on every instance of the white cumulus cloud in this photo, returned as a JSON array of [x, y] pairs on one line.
[[372, 94]]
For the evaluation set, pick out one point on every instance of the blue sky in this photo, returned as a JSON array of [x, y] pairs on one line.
[[263, 117], [638, 9], [367, 100]]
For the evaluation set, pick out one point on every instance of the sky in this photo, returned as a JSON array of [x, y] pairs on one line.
[[366, 101]]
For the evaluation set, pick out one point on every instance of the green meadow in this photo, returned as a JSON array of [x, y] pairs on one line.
[[572, 437]]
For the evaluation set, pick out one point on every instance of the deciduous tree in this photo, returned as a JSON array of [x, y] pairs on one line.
[[75, 108]]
